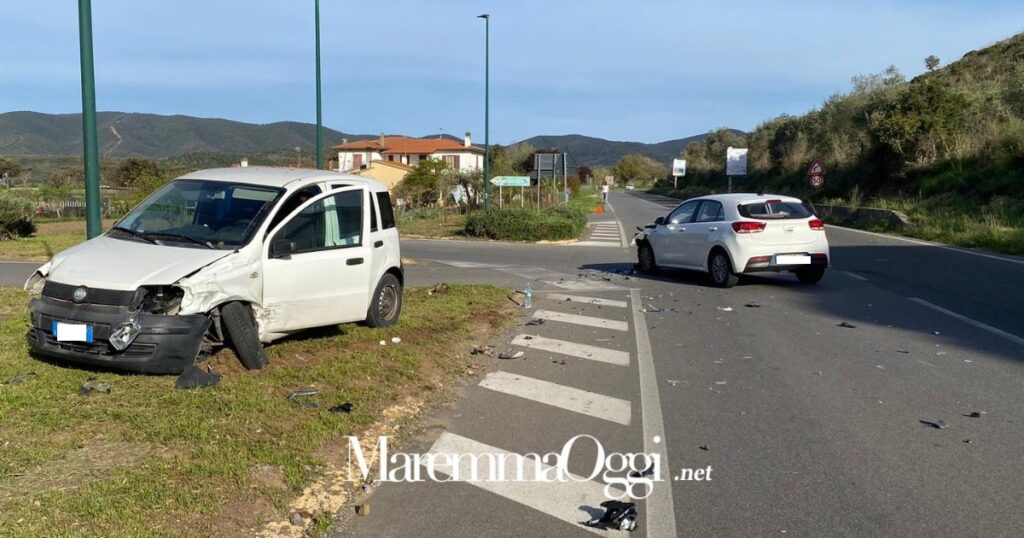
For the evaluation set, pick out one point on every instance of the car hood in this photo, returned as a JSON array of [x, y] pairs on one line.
[[104, 262]]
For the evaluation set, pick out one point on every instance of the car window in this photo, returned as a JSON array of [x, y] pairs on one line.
[[775, 209], [387, 213], [710, 211], [332, 222], [292, 203], [683, 213], [374, 215]]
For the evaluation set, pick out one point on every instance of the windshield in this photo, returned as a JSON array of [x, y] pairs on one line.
[[202, 214]]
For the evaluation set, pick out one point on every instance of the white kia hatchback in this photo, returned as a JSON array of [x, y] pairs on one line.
[[726, 235]]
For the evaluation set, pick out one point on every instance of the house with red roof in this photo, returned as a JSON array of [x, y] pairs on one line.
[[358, 155]]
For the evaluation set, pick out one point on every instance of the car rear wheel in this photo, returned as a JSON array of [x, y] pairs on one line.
[[386, 303], [243, 335], [810, 275], [720, 270], [645, 259]]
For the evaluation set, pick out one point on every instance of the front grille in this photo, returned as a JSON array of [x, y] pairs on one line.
[[65, 292], [100, 331], [98, 349]]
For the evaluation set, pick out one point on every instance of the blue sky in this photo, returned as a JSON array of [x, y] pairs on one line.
[[624, 70]]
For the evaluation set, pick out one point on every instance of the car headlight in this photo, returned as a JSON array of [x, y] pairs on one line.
[[158, 299], [126, 333]]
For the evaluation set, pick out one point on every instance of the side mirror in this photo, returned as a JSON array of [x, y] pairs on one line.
[[659, 221], [281, 248]]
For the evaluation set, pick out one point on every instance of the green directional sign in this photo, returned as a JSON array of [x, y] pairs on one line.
[[510, 181]]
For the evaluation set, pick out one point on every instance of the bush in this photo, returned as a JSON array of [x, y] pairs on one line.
[[521, 224], [15, 215]]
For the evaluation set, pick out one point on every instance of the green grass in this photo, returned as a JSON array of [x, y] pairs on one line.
[[50, 238], [150, 460]]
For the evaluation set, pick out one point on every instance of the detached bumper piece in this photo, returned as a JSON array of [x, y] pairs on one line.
[[159, 345], [761, 264]]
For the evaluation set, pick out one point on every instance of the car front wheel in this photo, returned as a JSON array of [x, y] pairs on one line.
[[720, 270], [645, 259], [386, 303]]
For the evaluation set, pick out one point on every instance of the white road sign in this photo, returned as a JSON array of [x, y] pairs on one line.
[[736, 161], [678, 167]]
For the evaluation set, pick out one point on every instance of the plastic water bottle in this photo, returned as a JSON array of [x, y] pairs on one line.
[[528, 302]]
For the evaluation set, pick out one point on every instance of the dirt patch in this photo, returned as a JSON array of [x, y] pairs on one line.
[[81, 466]]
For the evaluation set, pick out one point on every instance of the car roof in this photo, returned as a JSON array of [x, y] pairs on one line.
[[279, 177], [747, 197]]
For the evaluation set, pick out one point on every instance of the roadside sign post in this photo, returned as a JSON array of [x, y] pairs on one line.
[[91, 158], [816, 175], [735, 163], [678, 170]]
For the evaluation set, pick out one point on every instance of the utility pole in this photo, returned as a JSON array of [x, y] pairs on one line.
[[487, 103], [93, 214], [319, 112]]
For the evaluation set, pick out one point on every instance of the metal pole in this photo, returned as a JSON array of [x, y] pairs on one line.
[[487, 104], [94, 225], [319, 112], [730, 183]]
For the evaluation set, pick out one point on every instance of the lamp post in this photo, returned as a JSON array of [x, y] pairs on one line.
[[319, 113], [94, 225], [487, 103]]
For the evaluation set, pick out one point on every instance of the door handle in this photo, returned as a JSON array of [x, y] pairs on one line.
[[713, 229], [378, 244], [354, 261], [680, 229]]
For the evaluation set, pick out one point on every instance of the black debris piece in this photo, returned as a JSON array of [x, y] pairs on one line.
[[646, 472], [846, 325], [15, 379], [618, 515], [196, 378], [937, 424], [92, 386], [753, 305], [705, 448], [555, 361], [517, 303], [903, 351], [975, 414], [303, 397], [438, 289], [536, 321], [341, 408]]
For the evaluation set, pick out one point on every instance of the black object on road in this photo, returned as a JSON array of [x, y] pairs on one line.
[[196, 378], [536, 321], [341, 408], [937, 424], [847, 325], [618, 515]]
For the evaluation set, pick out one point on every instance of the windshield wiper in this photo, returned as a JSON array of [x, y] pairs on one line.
[[133, 233], [180, 236]]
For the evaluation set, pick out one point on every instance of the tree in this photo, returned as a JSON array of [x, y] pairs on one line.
[[636, 168], [931, 62], [422, 186], [69, 176], [131, 172], [514, 160], [9, 169]]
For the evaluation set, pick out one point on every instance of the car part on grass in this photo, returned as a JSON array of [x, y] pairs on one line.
[[15, 379], [618, 515], [92, 386], [438, 289], [196, 378], [341, 408], [386, 302], [396, 340], [242, 333]]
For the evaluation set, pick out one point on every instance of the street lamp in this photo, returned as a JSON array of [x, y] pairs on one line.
[[487, 102], [91, 156], [319, 114]]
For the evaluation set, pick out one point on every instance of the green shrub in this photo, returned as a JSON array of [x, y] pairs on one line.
[[15, 215], [521, 224]]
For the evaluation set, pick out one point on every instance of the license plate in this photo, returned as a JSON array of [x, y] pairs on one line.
[[72, 332], [792, 259]]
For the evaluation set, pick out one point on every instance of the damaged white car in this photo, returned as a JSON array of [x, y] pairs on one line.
[[237, 256]]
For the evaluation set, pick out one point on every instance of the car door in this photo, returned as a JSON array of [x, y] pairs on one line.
[[316, 268], [703, 232], [669, 240]]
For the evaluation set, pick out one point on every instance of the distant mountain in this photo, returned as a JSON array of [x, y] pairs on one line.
[[154, 136], [590, 151]]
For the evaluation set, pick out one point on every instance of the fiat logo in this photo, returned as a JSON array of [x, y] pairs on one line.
[[79, 294]]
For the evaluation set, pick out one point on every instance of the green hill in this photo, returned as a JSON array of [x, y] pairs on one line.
[[590, 151]]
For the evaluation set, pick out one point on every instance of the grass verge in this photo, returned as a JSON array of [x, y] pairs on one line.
[[49, 239], [150, 460]]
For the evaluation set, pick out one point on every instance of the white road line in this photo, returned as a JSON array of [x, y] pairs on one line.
[[583, 285], [998, 332], [569, 398], [583, 351], [930, 244], [587, 300], [854, 276], [471, 265], [561, 500], [618, 224], [605, 234], [577, 319], [660, 509], [595, 244]]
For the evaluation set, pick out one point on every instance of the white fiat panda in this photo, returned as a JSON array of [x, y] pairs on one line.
[[234, 256]]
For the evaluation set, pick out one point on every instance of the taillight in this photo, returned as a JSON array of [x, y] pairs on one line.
[[748, 226], [816, 224]]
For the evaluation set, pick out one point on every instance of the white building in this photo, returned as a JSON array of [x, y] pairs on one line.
[[409, 151]]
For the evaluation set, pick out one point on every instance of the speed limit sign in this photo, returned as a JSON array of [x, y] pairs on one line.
[[817, 182]]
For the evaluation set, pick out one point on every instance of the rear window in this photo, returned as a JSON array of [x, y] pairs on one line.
[[387, 214], [775, 210]]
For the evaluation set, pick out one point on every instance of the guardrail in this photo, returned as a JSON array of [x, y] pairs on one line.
[[863, 216]]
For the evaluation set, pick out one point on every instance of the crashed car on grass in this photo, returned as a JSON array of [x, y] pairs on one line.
[[236, 256]]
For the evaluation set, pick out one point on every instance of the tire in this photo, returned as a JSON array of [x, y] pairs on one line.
[[386, 302], [811, 275], [720, 270], [242, 335], [645, 259]]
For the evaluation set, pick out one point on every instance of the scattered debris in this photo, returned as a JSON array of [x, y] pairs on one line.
[[618, 515], [905, 352], [510, 355], [936, 333], [296, 519], [975, 414], [196, 378], [725, 308], [383, 342], [940, 352], [341, 408], [937, 424], [478, 350], [652, 308], [299, 397], [527, 337], [363, 509], [438, 289], [15, 379], [517, 303], [646, 472], [536, 321], [753, 305], [396, 340], [969, 441], [92, 386], [720, 382], [705, 448], [673, 382], [846, 325], [561, 362]]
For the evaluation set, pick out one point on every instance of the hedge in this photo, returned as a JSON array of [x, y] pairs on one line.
[[15, 215], [520, 224]]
